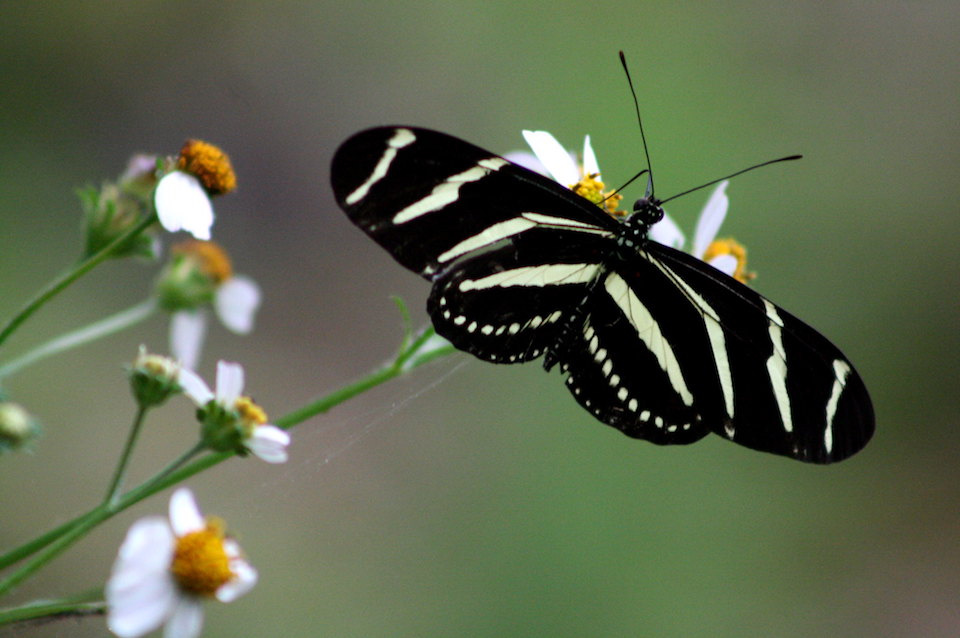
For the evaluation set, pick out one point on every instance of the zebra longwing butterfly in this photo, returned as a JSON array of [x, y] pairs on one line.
[[651, 340]]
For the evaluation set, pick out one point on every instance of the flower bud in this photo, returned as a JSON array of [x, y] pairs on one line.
[[17, 426]]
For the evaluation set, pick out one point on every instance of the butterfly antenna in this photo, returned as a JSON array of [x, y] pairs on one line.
[[740, 172], [636, 106], [628, 182]]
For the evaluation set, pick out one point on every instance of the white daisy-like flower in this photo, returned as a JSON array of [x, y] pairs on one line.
[[667, 232], [182, 197], [551, 159], [235, 304], [232, 420], [183, 204], [198, 275], [165, 569]]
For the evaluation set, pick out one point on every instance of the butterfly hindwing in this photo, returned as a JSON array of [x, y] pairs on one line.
[[623, 360], [509, 305]]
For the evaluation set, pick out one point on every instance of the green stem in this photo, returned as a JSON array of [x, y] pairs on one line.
[[81, 336], [83, 605], [90, 520], [51, 544], [177, 463], [118, 475], [34, 546], [64, 280]]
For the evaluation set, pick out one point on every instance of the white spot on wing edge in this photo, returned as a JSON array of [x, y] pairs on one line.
[[401, 137], [777, 366], [447, 191], [842, 370]]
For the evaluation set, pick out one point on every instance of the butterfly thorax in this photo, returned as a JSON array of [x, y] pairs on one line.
[[634, 230]]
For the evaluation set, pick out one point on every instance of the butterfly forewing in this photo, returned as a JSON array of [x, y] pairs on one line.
[[431, 199], [651, 340], [793, 392]]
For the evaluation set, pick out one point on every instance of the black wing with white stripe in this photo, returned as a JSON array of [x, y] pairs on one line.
[[431, 199], [731, 362], [651, 340]]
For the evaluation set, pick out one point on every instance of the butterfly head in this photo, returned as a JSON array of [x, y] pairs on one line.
[[646, 212], [635, 228]]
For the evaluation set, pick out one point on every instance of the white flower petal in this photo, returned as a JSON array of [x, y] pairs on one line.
[[194, 387], [140, 592], [185, 516], [236, 302], [554, 157], [229, 382], [710, 219], [148, 546], [139, 611], [269, 443], [245, 577], [667, 232], [724, 263], [527, 160], [232, 549], [187, 331], [182, 204], [590, 165], [187, 619]]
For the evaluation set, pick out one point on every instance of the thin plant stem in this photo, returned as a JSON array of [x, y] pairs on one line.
[[179, 462], [116, 484], [81, 336], [50, 545], [67, 278], [35, 545], [90, 520], [85, 604]]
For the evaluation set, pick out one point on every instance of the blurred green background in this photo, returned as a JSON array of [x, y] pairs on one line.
[[476, 500]]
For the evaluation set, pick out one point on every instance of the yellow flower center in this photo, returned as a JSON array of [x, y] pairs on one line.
[[251, 415], [209, 257], [209, 164], [591, 189], [156, 365], [730, 246], [200, 562]]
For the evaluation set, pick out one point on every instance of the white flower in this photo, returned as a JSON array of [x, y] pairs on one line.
[[238, 421], [183, 204], [551, 159], [711, 217], [235, 302], [165, 569]]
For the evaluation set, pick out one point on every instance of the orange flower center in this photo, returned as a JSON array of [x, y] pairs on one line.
[[200, 562], [209, 256], [209, 164]]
